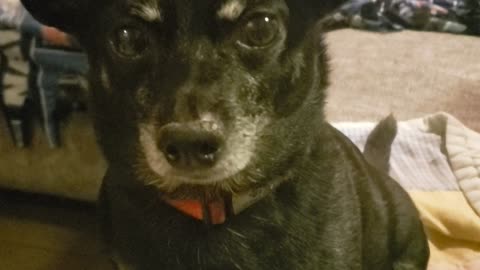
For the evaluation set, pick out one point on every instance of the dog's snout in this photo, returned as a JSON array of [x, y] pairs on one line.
[[190, 147]]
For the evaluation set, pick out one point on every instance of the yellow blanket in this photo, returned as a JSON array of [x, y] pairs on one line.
[[453, 229], [451, 217]]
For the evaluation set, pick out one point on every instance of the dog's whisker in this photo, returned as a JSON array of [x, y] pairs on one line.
[[259, 218], [252, 179], [237, 265], [244, 245], [232, 231], [152, 183], [199, 259], [226, 249]]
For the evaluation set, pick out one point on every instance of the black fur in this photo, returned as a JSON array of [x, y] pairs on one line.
[[333, 211]]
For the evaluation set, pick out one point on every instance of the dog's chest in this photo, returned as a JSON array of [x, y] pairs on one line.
[[272, 234]]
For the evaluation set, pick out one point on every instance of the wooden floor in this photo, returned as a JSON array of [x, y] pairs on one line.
[[38, 233]]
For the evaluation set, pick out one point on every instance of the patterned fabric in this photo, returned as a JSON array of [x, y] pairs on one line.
[[453, 16], [16, 70]]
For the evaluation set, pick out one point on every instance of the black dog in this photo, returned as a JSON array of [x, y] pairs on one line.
[[210, 114]]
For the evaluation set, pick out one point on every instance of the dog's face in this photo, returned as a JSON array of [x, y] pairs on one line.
[[218, 94]]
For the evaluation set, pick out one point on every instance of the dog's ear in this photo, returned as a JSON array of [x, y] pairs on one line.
[[304, 14], [67, 15], [313, 10], [325, 7]]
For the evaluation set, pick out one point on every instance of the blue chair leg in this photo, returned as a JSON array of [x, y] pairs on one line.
[[48, 90]]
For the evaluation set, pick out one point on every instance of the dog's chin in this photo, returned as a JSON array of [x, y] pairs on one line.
[[198, 177], [196, 185], [219, 178]]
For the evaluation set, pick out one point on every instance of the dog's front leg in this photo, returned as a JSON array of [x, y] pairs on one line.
[[105, 217], [407, 266]]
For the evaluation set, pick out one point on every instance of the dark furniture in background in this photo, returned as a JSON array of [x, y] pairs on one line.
[[53, 64], [55, 61]]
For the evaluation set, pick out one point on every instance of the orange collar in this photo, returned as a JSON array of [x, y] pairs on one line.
[[218, 211]]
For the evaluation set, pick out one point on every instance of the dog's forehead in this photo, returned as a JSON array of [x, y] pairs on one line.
[[154, 10], [149, 10], [231, 9]]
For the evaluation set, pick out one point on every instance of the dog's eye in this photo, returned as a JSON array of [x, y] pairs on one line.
[[130, 42], [260, 31]]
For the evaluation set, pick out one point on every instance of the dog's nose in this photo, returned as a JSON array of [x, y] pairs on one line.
[[190, 147]]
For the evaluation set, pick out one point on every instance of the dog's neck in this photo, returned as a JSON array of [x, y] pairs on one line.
[[217, 211]]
